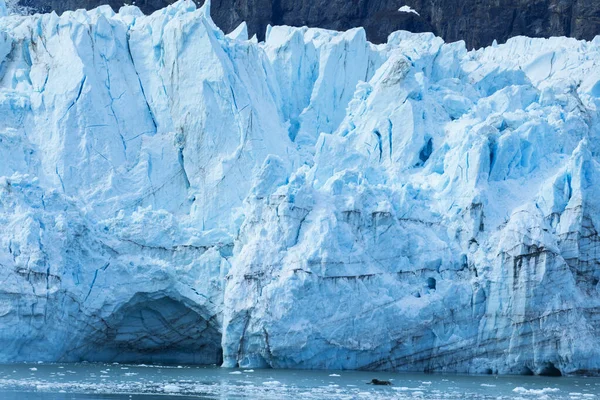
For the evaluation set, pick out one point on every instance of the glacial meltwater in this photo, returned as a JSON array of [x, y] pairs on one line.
[[145, 382]]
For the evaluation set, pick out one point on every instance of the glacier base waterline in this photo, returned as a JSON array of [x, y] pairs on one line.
[[169, 193]]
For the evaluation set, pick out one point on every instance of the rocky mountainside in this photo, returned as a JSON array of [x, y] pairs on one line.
[[477, 22]]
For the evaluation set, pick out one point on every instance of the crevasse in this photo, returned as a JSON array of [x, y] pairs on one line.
[[169, 193]]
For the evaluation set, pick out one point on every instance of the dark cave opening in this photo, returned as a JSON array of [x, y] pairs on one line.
[[527, 371], [550, 370], [156, 330]]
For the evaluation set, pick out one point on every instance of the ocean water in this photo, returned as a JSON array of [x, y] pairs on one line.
[[145, 382]]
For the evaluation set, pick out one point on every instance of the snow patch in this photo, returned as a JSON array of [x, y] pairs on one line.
[[408, 9]]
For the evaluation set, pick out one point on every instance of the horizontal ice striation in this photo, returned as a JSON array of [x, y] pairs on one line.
[[169, 193]]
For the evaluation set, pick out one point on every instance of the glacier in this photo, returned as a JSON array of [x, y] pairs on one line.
[[170, 193]]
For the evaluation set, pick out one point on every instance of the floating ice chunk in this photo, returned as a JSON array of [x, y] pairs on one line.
[[171, 388], [522, 390], [272, 383]]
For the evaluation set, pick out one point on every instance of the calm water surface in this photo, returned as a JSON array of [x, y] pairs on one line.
[[120, 381]]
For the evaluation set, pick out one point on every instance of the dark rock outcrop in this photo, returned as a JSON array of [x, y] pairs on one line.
[[477, 22]]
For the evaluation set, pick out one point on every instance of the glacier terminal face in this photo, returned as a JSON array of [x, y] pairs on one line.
[[172, 194]]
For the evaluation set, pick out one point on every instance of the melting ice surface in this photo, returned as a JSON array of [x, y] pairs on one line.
[[116, 381], [172, 194]]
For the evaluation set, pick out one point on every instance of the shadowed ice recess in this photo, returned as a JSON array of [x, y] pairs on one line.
[[172, 194]]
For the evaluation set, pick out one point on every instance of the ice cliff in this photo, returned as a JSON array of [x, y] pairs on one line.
[[169, 193]]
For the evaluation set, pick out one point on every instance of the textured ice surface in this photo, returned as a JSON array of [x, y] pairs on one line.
[[169, 193]]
